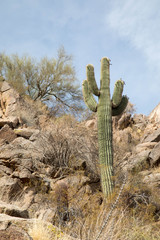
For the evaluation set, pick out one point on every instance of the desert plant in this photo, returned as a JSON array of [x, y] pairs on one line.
[[106, 108], [52, 81]]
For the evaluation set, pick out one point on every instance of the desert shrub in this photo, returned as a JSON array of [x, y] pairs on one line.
[[71, 145], [130, 108]]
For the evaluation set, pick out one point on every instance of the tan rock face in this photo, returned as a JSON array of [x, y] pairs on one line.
[[13, 232], [153, 137], [7, 134], [155, 155], [9, 100], [26, 132], [124, 121], [155, 114], [10, 188], [144, 146], [92, 124], [13, 210]]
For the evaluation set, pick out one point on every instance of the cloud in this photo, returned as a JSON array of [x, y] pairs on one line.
[[138, 22]]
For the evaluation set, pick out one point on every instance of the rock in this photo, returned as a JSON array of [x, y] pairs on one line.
[[136, 162], [154, 137], [2, 142], [20, 148], [144, 146], [10, 189], [13, 232], [152, 179], [11, 121], [154, 156], [46, 214], [92, 124], [123, 136], [155, 114], [13, 210], [1, 113], [140, 121], [5, 86], [14, 120], [5, 171], [23, 174], [4, 225], [26, 132], [9, 100], [7, 134], [124, 121]]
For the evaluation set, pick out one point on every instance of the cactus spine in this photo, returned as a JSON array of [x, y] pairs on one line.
[[106, 108]]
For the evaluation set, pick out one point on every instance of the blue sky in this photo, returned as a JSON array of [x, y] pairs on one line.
[[126, 31]]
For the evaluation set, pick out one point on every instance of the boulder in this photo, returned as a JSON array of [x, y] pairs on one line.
[[136, 162], [144, 146], [26, 132], [14, 233], [92, 124], [1, 113], [124, 121], [46, 214], [153, 137], [140, 121], [5, 170], [152, 178], [13, 210], [22, 173], [9, 100], [5, 87], [154, 156], [10, 189], [12, 121], [155, 114], [7, 134]]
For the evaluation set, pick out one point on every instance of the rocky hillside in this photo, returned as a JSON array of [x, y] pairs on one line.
[[49, 175]]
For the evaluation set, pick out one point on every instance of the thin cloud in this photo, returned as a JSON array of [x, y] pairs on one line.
[[138, 21]]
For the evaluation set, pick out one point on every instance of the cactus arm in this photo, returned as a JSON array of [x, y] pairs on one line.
[[91, 80], [117, 94], [88, 97], [119, 110], [105, 74]]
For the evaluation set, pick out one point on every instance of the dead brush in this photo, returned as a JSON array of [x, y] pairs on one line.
[[71, 145]]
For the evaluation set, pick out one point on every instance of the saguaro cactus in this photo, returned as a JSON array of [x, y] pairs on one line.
[[106, 108]]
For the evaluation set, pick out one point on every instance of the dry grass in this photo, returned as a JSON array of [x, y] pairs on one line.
[[121, 226], [133, 218], [46, 231]]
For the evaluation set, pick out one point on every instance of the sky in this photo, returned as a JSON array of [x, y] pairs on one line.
[[126, 31]]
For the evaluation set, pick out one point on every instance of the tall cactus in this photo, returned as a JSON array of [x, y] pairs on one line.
[[106, 108]]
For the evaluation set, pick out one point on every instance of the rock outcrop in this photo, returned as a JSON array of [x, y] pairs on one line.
[[31, 158], [155, 114]]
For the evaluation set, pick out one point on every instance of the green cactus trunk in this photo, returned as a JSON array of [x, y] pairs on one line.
[[106, 108], [105, 131]]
